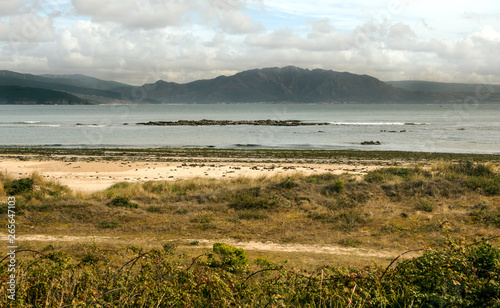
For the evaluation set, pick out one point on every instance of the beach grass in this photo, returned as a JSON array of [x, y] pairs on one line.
[[430, 203]]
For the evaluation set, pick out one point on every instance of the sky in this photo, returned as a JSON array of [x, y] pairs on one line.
[[142, 41]]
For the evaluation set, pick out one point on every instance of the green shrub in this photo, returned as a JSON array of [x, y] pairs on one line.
[[287, 184], [349, 220], [425, 206], [251, 198], [487, 186], [17, 187], [155, 209], [108, 224], [457, 276], [169, 248], [333, 188], [122, 201], [349, 242], [374, 176], [227, 257], [472, 169], [404, 173]]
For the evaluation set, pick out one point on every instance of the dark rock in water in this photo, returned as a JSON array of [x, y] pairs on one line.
[[205, 122], [371, 143]]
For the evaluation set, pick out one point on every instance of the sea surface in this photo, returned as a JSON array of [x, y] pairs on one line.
[[460, 128]]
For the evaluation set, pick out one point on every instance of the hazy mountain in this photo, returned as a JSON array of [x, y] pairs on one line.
[[418, 85], [24, 96], [79, 85], [86, 81], [289, 84]]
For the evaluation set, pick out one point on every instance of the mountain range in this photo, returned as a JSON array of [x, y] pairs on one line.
[[286, 84]]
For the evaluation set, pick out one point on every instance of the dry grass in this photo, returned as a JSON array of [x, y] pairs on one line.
[[391, 208]]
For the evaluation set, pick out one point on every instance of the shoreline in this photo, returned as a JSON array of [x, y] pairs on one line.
[[88, 174], [96, 169]]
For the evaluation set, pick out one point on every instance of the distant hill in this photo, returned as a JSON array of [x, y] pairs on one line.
[[286, 84], [86, 81], [417, 85], [24, 96], [78, 85], [290, 84]]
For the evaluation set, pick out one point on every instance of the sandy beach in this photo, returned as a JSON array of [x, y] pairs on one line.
[[88, 175]]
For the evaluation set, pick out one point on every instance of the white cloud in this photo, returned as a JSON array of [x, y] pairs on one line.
[[238, 23], [8, 7], [139, 41], [147, 14]]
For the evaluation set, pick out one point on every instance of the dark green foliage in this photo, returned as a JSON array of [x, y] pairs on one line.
[[346, 220], [123, 202], [486, 214], [400, 172], [472, 169], [333, 188], [425, 205], [17, 187], [169, 248], [227, 257], [105, 224], [155, 209], [22, 95], [374, 176], [251, 198], [287, 184], [457, 276], [487, 186]]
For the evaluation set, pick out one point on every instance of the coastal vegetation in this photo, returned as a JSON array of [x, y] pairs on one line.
[[442, 216], [28, 95]]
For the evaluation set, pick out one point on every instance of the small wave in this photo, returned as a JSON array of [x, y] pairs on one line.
[[416, 123], [49, 125], [376, 123], [27, 122], [367, 123], [90, 125]]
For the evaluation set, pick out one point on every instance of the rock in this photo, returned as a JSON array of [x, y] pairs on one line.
[[371, 143], [206, 122]]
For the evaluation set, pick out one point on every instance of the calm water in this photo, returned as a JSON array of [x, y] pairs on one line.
[[429, 128]]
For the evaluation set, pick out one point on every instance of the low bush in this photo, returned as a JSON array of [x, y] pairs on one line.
[[18, 187], [425, 205], [251, 198], [122, 201], [457, 276]]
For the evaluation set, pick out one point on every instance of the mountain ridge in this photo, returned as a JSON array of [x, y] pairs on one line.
[[288, 84], [272, 84]]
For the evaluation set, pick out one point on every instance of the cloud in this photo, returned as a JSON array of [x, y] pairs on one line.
[[27, 28], [11, 7], [147, 14], [141, 41], [238, 23]]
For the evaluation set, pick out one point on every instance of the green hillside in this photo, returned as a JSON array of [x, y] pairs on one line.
[[24, 95]]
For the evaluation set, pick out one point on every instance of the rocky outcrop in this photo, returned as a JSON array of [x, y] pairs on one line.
[[205, 122], [371, 143]]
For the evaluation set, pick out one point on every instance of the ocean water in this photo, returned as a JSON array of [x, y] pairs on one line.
[[461, 128]]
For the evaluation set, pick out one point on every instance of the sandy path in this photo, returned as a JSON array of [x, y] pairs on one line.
[[207, 244], [91, 176]]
